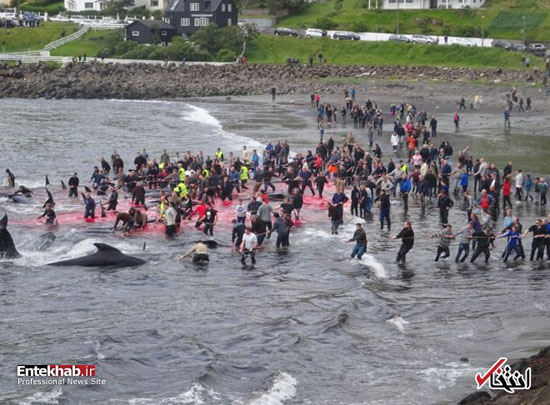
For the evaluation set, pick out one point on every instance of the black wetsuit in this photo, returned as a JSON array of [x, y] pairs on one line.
[[50, 214]]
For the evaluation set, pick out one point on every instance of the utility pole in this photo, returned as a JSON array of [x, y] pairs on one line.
[[397, 25], [523, 30], [482, 31]]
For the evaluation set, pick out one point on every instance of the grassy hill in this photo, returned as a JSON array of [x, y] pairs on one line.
[[502, 19], [21, 39], [272, 49]]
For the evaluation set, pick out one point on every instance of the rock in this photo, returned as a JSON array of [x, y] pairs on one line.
[[476, 398]]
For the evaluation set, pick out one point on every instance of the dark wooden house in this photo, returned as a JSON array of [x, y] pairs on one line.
[[150, 32], [189, 15]]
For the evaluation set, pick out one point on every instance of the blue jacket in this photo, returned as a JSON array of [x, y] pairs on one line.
[[405, 186], [464, 179]]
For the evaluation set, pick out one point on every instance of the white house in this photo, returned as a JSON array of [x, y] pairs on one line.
[[85, 5], [429, 4], [152, 4]]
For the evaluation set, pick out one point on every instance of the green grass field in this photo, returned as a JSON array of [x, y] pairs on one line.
[[22, 39], [272, 49], [90, 44], [500, 19]]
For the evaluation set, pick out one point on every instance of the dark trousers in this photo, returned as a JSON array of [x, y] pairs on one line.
[[401, 255], [282, 239], [440, 250], [89, 213], [208, 228], [538, 248], [516, 249], [385, 214], [506, 200], [307, 184], [246, 253], [170, 230], [73, 192], [478, 251], [444, 215], [462, 247]]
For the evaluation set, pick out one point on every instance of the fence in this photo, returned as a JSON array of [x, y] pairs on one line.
[[68, 38]]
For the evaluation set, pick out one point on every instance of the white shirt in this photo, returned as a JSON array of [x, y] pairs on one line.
[[170, 216], [249, 240], [394, 139], [519, 180], [246, 154]]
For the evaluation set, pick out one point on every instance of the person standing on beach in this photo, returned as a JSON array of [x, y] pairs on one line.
[[456, 120], [273, 93]]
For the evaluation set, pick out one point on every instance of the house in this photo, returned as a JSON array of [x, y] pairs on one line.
[[430, 4], [85, 5], [189, 15], [150, 32], [152, 5]]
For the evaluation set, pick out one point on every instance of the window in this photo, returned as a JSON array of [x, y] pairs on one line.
[[154, 3], [185, 22], [135, 33], [88, 5], [164, 33], [229, 8], [223, 7], [201, 22], [194, 6], [167, 20], [229, 22]]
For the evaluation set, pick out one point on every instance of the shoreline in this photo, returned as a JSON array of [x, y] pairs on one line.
[[146, 82]]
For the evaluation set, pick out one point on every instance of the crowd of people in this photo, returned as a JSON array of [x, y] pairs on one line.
[[419, 170]]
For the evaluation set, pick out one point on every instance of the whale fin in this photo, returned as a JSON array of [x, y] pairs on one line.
[[47, 181], [50, 199], [102, 247], [63, 186], [4, 221]]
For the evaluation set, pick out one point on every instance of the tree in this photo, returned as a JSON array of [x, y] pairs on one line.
[[120, 6]]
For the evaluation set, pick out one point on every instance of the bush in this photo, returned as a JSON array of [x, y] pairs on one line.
[[325, 23], [338, 5], [467, 31], [358, 26], [226, 55], [466, 12]]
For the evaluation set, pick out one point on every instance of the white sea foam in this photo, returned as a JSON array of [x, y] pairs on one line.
[[193, 395], [375, 266], [50, 397], [398, 322], [283, 389], [203, 116]]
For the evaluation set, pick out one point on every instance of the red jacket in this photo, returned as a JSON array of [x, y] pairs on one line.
[[506, 189]]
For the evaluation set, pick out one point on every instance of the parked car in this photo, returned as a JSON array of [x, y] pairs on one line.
[[351, 36], [519, 48], [399, 38], [463, 42], [31, 18], [315, 32], [286, 31], [502, 44], [8, 14], [537, 49], [423, 39]]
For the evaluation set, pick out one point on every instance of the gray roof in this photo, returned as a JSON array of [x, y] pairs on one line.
[[179, 5], [153, 23]]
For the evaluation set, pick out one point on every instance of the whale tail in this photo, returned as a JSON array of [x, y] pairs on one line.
[[63, 186]]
